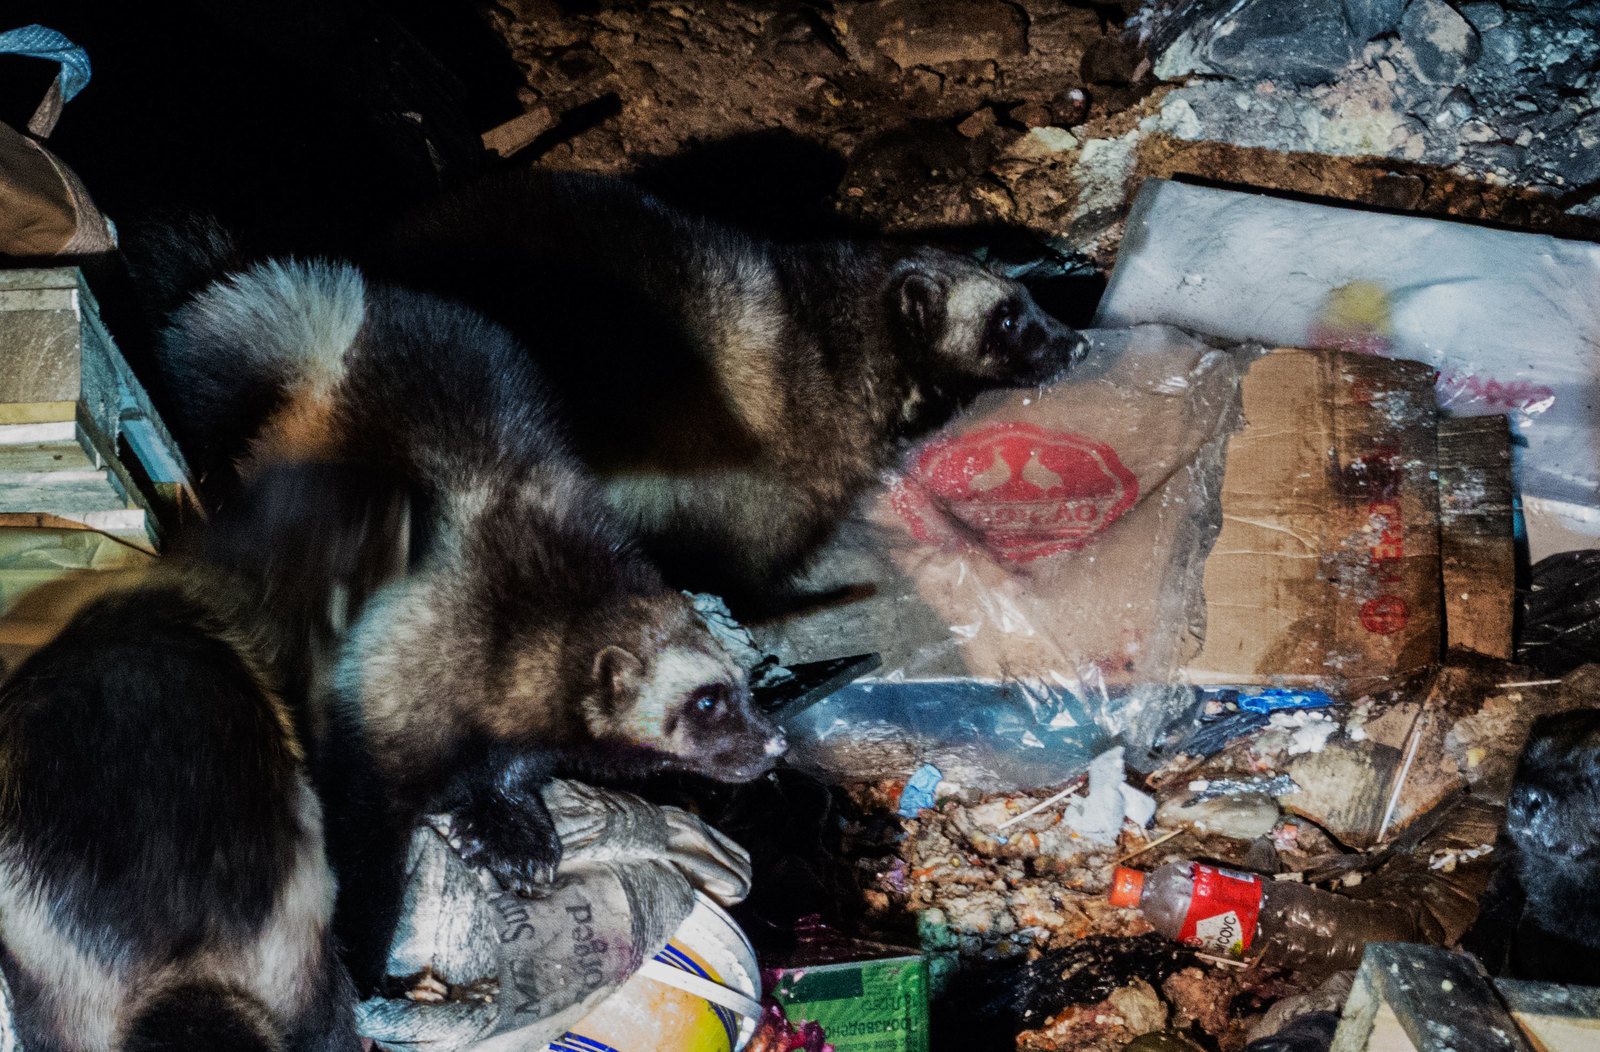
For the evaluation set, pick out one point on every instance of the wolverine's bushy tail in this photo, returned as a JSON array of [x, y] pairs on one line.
[[202, 1015], [173, 255], [236, 346]]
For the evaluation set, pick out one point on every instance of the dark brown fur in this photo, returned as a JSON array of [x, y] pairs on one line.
[[163, 882], [732, 394], [526, 636]]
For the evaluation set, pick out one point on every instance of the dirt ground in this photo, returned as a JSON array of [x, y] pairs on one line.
[[909, 115]]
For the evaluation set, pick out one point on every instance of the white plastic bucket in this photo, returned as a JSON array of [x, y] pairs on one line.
[[699, 994]]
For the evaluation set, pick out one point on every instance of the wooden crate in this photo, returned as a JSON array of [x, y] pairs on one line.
[[80, 441], [1409, 998]]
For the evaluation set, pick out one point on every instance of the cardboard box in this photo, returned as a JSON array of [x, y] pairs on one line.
[[1327, 566], [875, 1005]]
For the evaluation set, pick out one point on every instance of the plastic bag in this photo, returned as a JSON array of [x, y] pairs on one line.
[[1508, 319], [1034, 574], [1561, 613]]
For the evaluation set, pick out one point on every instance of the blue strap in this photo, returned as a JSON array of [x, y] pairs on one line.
[[36, 41]]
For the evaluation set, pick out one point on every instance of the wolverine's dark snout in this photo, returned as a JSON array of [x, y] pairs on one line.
[[1047, 348]]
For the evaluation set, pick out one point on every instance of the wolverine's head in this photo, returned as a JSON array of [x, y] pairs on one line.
[[658, 679], [1554, 809], [976, 329]]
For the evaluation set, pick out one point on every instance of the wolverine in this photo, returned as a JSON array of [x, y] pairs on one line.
[[734, 395], [163, 877], [1553, 823], [524, 637]]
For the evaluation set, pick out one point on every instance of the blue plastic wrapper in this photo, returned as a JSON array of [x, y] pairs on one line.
[[918, 792], [1276, 698], [36, 41]]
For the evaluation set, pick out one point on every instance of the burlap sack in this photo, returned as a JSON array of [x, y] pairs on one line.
[[44, 208]]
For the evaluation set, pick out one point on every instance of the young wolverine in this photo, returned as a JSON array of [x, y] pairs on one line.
[[1553, 820], [733, 394], [528, 636], [163, 882]]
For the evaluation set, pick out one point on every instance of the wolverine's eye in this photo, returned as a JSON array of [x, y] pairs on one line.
[[709, 699], [1003, 325]]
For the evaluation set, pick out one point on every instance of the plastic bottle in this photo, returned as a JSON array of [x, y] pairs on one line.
[[1225, 912]]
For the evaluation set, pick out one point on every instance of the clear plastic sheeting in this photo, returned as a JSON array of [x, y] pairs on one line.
[[1508, 319], [1032, 576]]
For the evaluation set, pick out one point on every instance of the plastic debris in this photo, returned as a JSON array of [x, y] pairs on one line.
[[1098, 817], [1274, 699], [1311, 730], [1209, 788], [919, 790]]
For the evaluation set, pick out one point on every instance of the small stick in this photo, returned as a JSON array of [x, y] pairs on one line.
[[1154, 843], [1226, 962], [1036, 808], [1528, 683], [1400, 782]]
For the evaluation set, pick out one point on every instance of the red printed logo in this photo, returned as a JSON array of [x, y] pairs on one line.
[[1223, 911], [1384, 615], [1023, 491]]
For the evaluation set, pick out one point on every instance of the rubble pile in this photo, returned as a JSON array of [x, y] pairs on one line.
[[1298, 794], [1505, 93]]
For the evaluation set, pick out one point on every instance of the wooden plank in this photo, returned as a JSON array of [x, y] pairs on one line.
[[36, 412], [1476, 544], [128, 523], [1441, 1002], [44, 456], [33, 434], [1555, 1018]]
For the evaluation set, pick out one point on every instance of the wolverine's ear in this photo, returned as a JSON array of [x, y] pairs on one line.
[[617, 673], [921, 305]]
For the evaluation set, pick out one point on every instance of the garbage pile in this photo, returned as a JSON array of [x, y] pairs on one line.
[[1173, 689]]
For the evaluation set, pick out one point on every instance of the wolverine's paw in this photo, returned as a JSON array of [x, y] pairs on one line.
[[521, 849]]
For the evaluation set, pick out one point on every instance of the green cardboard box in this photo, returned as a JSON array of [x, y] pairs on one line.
[[878, 1005]]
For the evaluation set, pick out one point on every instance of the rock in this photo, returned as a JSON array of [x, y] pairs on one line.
[[1243, 817], [1371, 18], [1141, 1010], [977, 123], [1442, 43], [1483, 14], [1069, 107], [1042, 142], [1394, 190], [1031, 114], [915, 33], [1300, 41], [1178, 119], [926, 81]]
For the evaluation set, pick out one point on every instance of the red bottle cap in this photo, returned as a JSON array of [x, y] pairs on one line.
[[1127, 885]]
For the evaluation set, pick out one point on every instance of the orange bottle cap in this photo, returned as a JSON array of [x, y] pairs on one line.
[[1127, 885]]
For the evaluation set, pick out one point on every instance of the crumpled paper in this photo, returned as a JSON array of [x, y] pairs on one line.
[[627, 879]]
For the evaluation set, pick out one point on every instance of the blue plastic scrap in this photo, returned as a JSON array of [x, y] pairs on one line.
[[918, 792], [1275, 698], [37, 41]]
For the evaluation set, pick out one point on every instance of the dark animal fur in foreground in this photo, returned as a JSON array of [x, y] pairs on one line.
[[525, 637], [163, 882], [733, 394], [1553, 820]]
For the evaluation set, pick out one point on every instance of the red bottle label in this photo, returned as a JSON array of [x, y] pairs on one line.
[[1222, 912]]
